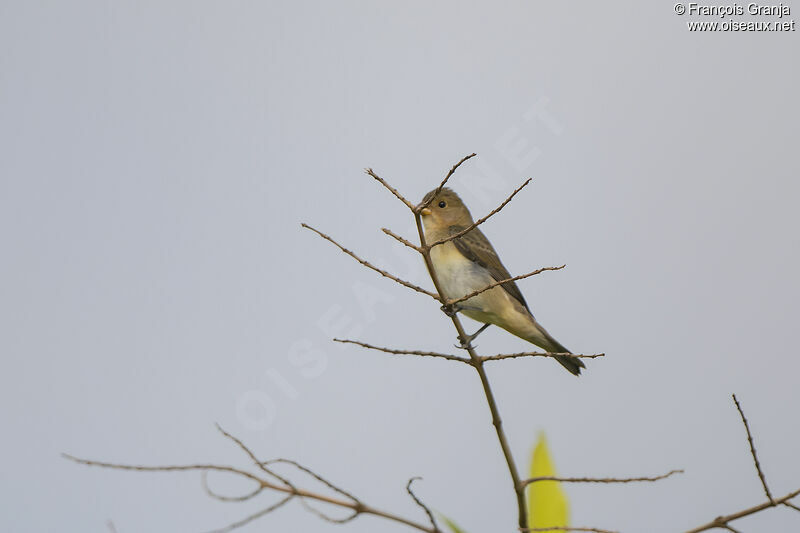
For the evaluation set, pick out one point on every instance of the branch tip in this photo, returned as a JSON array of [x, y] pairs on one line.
[[424, 507], [370, 266], [753, 451]]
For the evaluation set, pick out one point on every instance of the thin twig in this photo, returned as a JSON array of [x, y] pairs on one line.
[[480, 221], [222, 498], [401, 239], [370, 265], [291, 490], [313, 510], [753, 450], [452, 171], [391, 189], [316, 476], [600, 479], [252, 456], [791, 506], [722, 521], [173, 468], [419, 502], [246, 520], [407, 352], [501, 282], [502, 356]]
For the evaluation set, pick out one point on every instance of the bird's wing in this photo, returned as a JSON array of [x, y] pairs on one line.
[[477, 248]]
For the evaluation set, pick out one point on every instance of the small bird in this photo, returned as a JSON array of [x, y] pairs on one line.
[[469, 263]]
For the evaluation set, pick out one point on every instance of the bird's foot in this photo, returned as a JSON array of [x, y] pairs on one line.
[[451, 310], [465, 344]]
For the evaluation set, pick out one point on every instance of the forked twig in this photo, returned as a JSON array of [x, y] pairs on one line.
[[352, 503], [316, 476], [252, 456], [722, 522]]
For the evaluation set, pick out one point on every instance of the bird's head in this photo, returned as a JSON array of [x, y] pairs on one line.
[[444, 210]]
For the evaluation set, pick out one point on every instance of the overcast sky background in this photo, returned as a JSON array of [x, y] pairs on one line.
[[158, 158]]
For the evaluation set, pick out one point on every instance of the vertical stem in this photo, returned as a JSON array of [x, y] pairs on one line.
[[477, 363]]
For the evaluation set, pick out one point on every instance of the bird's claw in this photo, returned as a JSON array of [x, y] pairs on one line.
[[451, 310], [464, 345]]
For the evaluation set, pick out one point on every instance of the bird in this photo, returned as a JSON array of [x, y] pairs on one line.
[[469, 263]]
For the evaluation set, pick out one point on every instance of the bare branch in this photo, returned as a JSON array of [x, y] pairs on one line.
[[600, 479], [252, 456], [722, 521], [315, 476], [503, 356], [418, 502], [791, 506], [357, 504], [354, 505], [172, 468], [313, 510], [501, 282], [753, 450], [254, 516], [452, 171], [222, 498], [391, 189], [482, 220], [371, 266], [406, 352], [401, 239]]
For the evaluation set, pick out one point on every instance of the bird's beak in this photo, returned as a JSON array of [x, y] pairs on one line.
[[425, 212]]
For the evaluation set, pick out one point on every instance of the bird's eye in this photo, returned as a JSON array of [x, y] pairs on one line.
[[442, 204]]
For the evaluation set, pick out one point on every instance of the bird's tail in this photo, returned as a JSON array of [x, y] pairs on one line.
[[545, 341]]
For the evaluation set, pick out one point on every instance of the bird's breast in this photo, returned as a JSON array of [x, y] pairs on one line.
[[458, 275]]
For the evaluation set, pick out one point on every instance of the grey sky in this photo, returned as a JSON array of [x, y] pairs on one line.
[[158, 159]]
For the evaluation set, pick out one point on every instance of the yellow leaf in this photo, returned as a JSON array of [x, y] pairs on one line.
[[547, 502], [452, 525]]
